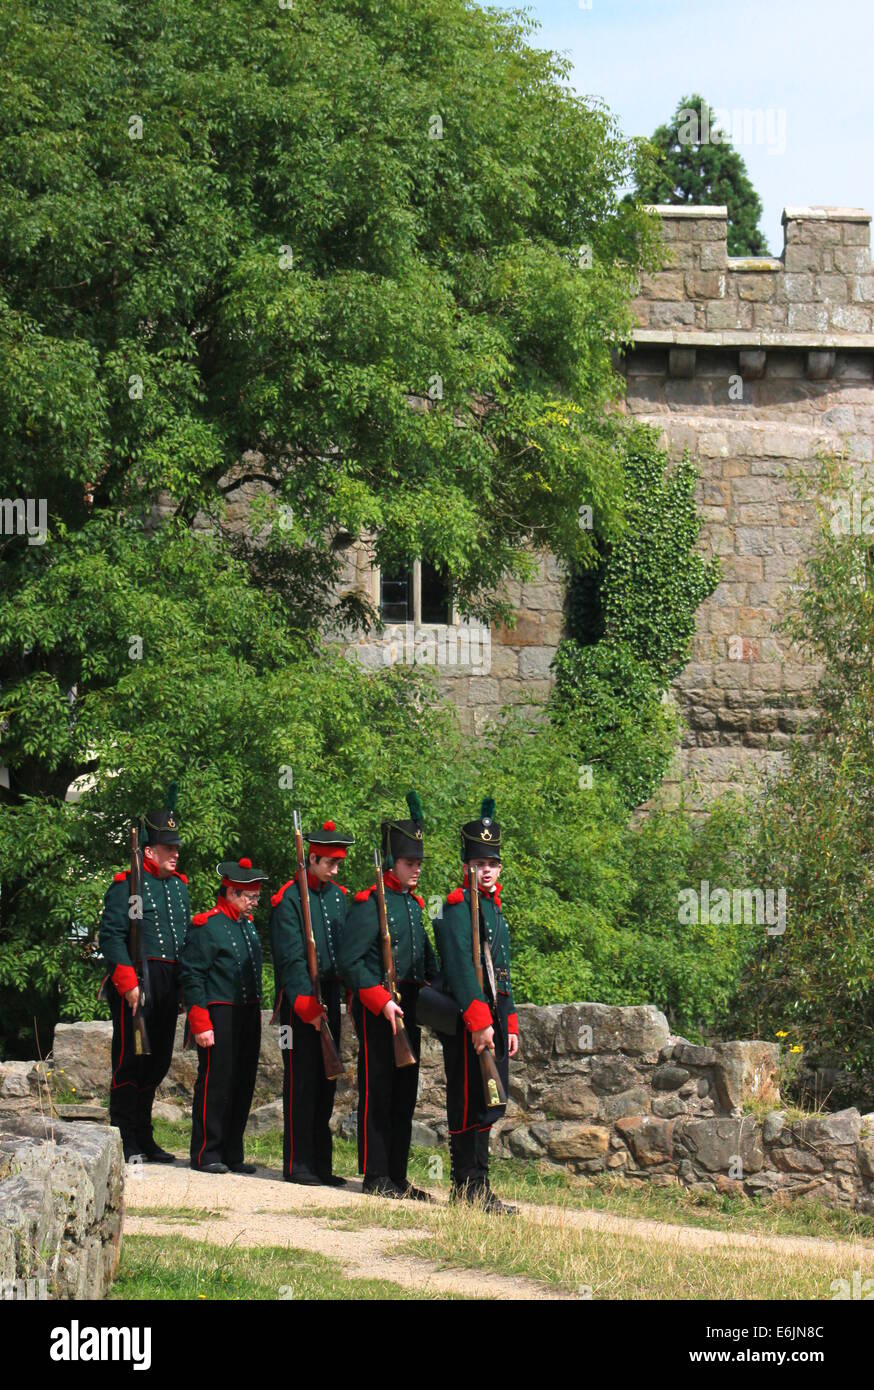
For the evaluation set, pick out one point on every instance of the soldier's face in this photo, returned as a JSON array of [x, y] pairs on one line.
[[487, 871], [407, 871], [164, 858], [244, 899], [323, 869]]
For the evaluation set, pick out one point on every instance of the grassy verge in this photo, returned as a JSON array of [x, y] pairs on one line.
[[170, 1267], [528, 1181]]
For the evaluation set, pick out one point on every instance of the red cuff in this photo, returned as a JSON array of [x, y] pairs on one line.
[[477, 1015], [374, 998], [307, 1007], [199, 1020], [124, 977], [512, 1023]]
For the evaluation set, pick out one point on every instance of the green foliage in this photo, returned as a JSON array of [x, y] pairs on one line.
[[814, 832], [272, 277], [690, 170], [631, 623]]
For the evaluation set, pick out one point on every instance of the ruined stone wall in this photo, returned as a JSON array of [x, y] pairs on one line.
[[597, 1089], [756, 365], [61, 1191]]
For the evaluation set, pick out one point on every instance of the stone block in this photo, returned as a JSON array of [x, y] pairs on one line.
[[717, 1143], [576, 1141], [649, 1138]]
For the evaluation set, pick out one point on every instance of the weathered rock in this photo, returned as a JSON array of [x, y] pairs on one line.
[[746, 1071], [865, 1151], [772, 1127], [669, 1078], [607, 1028], [522, 1143], [60, 1204], [81, 1057], [569, 1141], [649, 1138], [844, 1127], [633, 1102], [265, 1118], [613, 1074], [20, 1079], [569, 1097], [96, 1113], [796, 1161], [717, 1143], [669, 1107]]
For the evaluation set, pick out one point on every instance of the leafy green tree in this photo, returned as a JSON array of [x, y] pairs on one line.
[[814, 830], [688, 164]]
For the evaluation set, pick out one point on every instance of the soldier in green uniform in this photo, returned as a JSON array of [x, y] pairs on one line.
[[221, 983], [386, 1092], [307, 1095], [166, 915], [469, 1117]]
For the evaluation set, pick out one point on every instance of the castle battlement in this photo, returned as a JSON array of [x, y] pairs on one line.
[[756, 365], [819, 293]]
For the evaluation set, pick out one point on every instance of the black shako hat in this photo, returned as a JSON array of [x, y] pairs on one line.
[[236, 873], [481, 839], [160, 826], [403, 839]]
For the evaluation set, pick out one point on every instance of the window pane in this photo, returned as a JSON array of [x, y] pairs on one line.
[[436, 595], [396, 597]]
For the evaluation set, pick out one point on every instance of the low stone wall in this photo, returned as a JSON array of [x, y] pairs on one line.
[[60, 1207], [597, 1089]]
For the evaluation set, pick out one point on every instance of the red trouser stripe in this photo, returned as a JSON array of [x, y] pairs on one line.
[[205, 1087], [464, 1121], [290, 1098], [366, 1085], [121, 1054]]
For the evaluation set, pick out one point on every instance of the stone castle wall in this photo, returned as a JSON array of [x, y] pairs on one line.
[[756, 365]]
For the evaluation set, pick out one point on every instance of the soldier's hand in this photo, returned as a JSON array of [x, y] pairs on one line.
[[483, 1038], [317, 1022], [393, 1012], [206, 1039], [512, 1044], [133, 998]]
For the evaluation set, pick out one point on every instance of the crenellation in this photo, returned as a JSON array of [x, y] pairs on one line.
[[796, 332]]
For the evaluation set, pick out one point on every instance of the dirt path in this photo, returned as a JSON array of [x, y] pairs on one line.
[[263, 1210], [860, 1252]]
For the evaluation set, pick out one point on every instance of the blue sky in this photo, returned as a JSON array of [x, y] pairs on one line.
[[808, 67]]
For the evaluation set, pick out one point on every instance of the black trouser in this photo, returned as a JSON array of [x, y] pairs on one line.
[[225, 1085], [469, 1117], [386, 1093], [307, 1095], [135, 1078]]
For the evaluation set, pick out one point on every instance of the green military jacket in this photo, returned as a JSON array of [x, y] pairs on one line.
[[361, 956], [165, 922], [452, 931], [328, 916], [221, 960]]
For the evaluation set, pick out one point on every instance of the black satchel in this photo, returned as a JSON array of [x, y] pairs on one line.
[[437, 1010]]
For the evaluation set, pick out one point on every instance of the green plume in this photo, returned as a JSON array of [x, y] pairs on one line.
[[487, 810], [172, 793], [415, 806]]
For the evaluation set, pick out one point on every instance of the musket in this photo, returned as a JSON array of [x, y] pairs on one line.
[[403, 1048], [330, 1056], [135, 945], [492, 1084]]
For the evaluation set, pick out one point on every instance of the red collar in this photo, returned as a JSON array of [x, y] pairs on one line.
[[154, 872], [315, 884], [228, 908], [392, 881]]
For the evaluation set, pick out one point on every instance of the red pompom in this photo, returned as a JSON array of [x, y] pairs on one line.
[[329, 825], [245, 863]]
